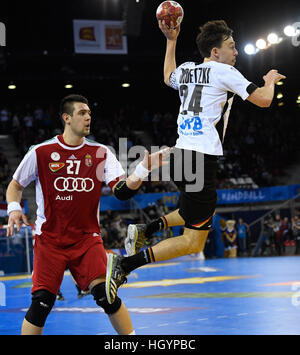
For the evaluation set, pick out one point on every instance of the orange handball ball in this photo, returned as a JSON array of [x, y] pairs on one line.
[[170, 11]]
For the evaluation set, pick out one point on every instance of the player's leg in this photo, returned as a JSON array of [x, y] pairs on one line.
[[139, 234], [117, 311], [196, 209], [189, 202], [88, 271], [190, 242], [30, 329], [171, 219], [49, 266], [196, 214], [118, 267], [35, 318]]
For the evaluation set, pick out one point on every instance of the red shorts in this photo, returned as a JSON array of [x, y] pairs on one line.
[[86, 261]]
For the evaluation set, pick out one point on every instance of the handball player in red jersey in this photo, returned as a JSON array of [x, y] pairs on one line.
[[68, 171]]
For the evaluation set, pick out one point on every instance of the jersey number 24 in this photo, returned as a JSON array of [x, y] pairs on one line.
[[194, 103]]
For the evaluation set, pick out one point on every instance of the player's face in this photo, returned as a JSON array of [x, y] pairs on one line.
[[228, 52], [80, 122]]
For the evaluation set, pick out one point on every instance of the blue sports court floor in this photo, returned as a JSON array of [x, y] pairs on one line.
[[184, 296]]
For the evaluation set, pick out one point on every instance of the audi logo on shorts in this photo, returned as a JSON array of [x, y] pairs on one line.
[[71, 184]]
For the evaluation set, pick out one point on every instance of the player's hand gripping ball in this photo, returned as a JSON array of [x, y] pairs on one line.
[[170, 11]]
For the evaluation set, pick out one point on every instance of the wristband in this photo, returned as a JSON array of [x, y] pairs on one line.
[[141, 172], [13, 206]]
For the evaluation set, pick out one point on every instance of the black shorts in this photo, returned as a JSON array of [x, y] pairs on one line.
[[198, 199]]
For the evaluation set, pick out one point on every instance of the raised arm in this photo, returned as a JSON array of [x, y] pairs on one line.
[[171, 35]]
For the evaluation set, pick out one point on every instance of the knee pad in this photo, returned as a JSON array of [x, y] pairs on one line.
[[41, 305], [99, 294]]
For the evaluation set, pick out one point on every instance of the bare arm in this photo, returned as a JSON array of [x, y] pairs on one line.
[[14, 191], [149, 163], [263, 96], [16, 217], [171, 35]]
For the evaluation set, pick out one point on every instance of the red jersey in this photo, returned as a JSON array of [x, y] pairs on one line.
[[68, 186]]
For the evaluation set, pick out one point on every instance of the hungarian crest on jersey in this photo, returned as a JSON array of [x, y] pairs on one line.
[[88, 160]]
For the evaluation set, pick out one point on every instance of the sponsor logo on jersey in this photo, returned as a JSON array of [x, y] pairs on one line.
[[88, 160], [64, 198], [55, 156], [72, 157], [190, 126], [71, 184], [54, 167]]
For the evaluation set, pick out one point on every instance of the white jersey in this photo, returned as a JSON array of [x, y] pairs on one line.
[[206, 92]]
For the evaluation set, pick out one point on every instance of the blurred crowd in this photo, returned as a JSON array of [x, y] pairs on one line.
[[251, 143], [114, 225], [4, 174], [280, 235], [281, 232]]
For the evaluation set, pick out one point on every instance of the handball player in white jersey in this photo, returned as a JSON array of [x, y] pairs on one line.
[[68, 171], [206, 92]]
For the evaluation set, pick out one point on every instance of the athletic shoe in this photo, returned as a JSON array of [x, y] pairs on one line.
[[135, 239], [115, 276], [60, 296]]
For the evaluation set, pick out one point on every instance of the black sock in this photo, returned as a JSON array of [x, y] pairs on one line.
[[78, 288], [155, 226], [142, 258]]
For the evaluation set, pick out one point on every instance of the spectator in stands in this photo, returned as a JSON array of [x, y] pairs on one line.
[[3, 163], [4, 176], [114, 240], [296, 232], [271, 233], [266, 242], [28, 121], [285, 230], [122, 229], [277, 230], [297, 212], [242, 229], [38, 115], [4, 120], [209, 249], [256, 162]]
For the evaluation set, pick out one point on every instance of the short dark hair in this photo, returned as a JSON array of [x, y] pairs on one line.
[[67, 103], [211, 35]]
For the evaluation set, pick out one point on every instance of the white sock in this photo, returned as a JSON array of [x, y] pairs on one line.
[[132, 333]]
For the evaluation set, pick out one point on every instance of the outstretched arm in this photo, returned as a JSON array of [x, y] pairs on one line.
[[263, 96], [126, 189]]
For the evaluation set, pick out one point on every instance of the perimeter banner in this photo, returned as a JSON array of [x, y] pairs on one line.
[[99, 37], [225, 197]]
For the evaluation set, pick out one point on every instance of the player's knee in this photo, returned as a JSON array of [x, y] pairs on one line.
[[99, 294], [195, 240], [41, 305]]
